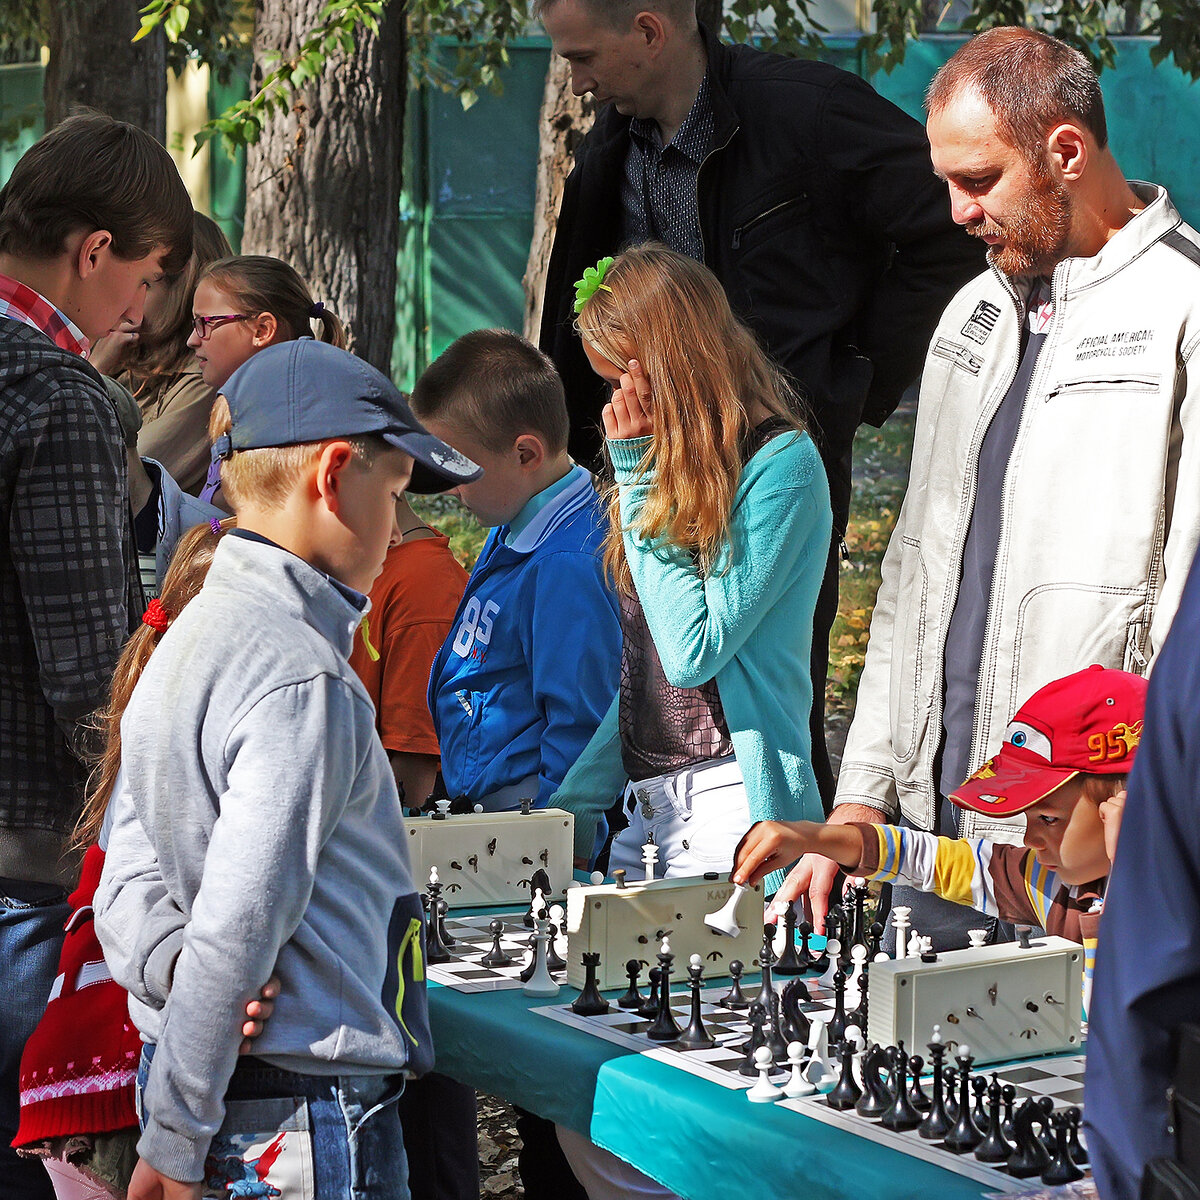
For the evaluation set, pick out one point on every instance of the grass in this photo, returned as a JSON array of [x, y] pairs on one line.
[[881, 459]]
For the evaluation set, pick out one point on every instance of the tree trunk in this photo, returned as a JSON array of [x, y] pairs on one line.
[[94, 62], [563, 122], [323, 182]]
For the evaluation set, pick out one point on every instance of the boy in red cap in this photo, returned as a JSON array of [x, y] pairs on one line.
[[1064, 762]]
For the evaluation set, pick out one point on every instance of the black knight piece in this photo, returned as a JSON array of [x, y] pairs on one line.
[[796, 1025], [874, 1101], [1030, 1157]]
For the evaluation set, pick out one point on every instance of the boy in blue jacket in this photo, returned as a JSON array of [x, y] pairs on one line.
[[532, 660]]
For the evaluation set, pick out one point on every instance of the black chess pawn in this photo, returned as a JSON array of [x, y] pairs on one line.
[[589, 1002], [979, 1087], [900, 1114], [995, 1147], [937, 1122], [695, 1036], [443, 910], [497, 956], [1062, 1168], [531, 964], [554, 960], [858, 929], [874, 938], [1079, 1154], [916, 1094], [789, 962], [649, 1008], [965, 1135], [435, 948], [951, 1102], [665, 1028], [1008, 1095], [837, 1022], [766, 957], [874, 1101], [1029, 1158], [735, 998], [1046, 1132], [796, 1025], [632, 998], [805, 954], [757, 1018], [820, 961], [846, 1091]]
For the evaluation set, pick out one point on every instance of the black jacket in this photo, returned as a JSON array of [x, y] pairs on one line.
[[69, 588], [822, 217]]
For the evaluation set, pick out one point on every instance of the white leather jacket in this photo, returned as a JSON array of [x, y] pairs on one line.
[[1101, 503]]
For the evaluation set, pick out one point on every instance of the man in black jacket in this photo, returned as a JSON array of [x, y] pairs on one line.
[[93, 215], [810, 197]]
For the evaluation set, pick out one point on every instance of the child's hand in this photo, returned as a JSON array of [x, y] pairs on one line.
[[258, 1013], [149, 1184], [1111, 811], [627, 415], [108, 351], [768, 845]]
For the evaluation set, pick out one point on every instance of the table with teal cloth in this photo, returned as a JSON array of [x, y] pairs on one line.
[[700, 1140]]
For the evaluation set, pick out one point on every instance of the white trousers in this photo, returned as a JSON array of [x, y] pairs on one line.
[[697, 816]]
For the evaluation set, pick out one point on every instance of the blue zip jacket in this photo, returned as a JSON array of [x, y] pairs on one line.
[[534, 654], [747, 623], [1147, 980]]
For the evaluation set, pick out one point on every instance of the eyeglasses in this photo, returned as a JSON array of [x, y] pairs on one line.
[[205, 325]]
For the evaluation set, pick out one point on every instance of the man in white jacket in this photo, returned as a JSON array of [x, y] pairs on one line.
[[1053, 506]]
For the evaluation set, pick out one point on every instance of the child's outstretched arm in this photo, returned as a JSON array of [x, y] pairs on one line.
[[770, 845]]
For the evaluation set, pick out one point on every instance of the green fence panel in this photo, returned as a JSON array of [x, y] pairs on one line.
[[20, 99]]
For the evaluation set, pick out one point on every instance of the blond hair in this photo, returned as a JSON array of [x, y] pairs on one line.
[[268, 475], [181, 584], [707, 373]]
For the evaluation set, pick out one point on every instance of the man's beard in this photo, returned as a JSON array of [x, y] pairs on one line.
[[1035, 236]]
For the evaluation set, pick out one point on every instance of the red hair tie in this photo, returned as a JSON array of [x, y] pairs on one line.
[[156, 616]]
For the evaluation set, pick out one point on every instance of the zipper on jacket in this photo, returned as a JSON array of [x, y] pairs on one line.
[[948, 605], [712, 150], [989, 632], [743, 229]]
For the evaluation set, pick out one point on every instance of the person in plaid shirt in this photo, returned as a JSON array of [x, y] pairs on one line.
[[93, 215]]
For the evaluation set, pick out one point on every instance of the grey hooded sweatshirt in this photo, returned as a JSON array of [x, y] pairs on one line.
[[261, 832]]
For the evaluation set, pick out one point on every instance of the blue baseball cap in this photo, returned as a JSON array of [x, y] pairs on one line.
[[310, 391]]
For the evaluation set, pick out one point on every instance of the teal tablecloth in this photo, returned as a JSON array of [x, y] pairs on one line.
[[701, 1140]]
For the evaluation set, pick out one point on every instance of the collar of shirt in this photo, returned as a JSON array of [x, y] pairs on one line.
[[355, 597], [1040, 308], [691, 139], [22, 303], [537, 502]]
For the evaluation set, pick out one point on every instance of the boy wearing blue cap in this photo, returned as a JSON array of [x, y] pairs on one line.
[[264, 833]]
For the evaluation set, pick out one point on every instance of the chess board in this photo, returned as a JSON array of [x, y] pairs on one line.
[[472, 941], [1059, 1077], [728, 1026]]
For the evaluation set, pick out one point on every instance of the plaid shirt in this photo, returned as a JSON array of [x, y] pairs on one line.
[[68, 571], [32, 308]]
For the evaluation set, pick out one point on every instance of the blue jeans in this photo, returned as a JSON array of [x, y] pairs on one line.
[[32, 916], [346, 1128]]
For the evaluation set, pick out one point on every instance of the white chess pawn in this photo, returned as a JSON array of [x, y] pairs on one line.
[[433, 876], [558, 920], [833, 947], [649, 858], [976, 939], [797, 1086], [724, 920], [764, 1091], [858, 956], [914, 945], [819, 1072], [597, 877]]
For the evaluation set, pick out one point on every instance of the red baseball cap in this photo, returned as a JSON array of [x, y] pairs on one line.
[[1089, 722]]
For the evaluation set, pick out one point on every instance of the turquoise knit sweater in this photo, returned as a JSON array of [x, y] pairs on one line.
[[748, 624]]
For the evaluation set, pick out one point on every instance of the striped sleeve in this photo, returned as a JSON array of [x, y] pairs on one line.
[[995, 879]]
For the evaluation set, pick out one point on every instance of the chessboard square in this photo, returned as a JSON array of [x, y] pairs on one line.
[[1026, 1074]]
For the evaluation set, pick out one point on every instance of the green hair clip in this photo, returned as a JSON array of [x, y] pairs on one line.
[[592, 282]]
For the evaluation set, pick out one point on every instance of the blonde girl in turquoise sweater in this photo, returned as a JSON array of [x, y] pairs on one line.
[[719, 531]]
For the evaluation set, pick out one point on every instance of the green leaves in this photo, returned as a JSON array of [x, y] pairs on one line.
[[592, 282]]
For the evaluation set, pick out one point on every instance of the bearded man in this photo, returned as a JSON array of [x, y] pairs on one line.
[[1053, 506]]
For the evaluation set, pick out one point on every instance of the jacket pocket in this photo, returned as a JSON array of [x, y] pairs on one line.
[[1109, 384], [759, 225], [908, 639]]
